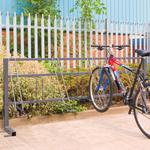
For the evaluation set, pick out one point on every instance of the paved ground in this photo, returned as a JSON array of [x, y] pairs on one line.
[[106, 132]]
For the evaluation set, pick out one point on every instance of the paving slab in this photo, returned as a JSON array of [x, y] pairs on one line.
[[116, 131]]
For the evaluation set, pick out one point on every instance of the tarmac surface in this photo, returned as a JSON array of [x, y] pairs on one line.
[[112, 131]]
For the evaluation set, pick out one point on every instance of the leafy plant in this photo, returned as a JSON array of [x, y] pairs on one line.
[[39, 7], [45, 7], [53, 66], [89, 8], [39, 88]]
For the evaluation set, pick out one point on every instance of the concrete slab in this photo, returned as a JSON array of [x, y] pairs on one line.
[[106, 132]]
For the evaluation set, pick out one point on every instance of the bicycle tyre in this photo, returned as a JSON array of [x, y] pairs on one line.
[[142, 118], [98, 101]]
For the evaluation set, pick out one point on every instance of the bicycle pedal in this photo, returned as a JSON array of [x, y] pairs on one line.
[[126, 101]]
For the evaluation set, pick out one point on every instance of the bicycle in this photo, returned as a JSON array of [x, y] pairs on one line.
[[137, 97]]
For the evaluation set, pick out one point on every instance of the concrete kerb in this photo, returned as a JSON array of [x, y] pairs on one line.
[[63, 117]]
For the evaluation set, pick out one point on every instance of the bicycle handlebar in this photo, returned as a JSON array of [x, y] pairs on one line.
[[101, 47], [120, 45]]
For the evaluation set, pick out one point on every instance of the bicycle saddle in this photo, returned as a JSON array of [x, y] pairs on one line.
[[142, 53]]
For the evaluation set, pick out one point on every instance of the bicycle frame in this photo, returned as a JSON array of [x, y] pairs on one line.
[[110, 67]]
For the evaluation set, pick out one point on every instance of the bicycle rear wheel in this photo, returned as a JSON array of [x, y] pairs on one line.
[[100, 89], [142, 110]]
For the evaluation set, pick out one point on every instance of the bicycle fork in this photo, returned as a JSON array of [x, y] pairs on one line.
[[106, 82]]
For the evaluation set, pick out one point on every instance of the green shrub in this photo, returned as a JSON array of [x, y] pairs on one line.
[[22, 88], [58, 108], [54, 87], [73, 85], [127, 78]]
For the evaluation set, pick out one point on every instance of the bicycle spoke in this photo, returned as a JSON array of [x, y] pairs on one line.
[[142, 115], [100, 91]]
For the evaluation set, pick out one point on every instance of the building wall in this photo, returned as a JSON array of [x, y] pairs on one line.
[[8, 5], [117, 10]]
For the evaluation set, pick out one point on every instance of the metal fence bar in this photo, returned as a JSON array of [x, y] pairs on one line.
[[6, 101], [106, 41], [29, 36], [126, 41], [61, 42], [147, 39], [1, 32], [91, 41], [15, 35], [55, 38], [49, 74], [140, 36], [96, 37], [117, 38], [51, 100], [102, 37], [131, 43], [122, 37], [68, 42], [22, 35], [136, 39], [111, 33], [7, 34], [144, 37], [85, 42], [36, 36], [74, 43], [79, 37], [64, 59], [49, 38], [43, 37]]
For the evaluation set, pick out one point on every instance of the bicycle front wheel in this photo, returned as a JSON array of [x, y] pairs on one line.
[[100, 89], [142, 110]]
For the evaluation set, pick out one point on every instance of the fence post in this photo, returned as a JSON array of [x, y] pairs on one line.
[[7, 34], [96, 38], [148, 42], [42, 37], [29, 36], [147, 46], [62, 41], [22, 34], [105, 36], [91, 41], [36, 36], [55, 38], [131, 43], [15, 34], [5, 100], [68, 42], [126, 41], [49, 38], [74, 42], [1, 31], [85, 42], [79, 38]]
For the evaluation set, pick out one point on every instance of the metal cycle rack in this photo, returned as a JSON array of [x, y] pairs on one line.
[[6, 101]]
